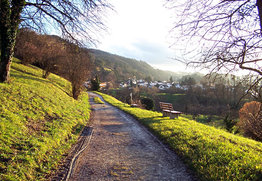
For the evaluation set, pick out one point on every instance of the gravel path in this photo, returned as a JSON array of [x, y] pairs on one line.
[[121, 149]]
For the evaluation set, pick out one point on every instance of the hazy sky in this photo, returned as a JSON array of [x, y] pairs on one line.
[[140, 29]]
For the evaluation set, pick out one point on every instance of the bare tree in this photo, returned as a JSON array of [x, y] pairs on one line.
[[55, 55], [28, 46], [42, 50], [52, 51], [75, 20], [226, 34], [251, 119], [76, 67]]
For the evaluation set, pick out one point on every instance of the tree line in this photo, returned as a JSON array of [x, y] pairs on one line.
[[54, 55], [77, 21], [238, 115], [116, 69]]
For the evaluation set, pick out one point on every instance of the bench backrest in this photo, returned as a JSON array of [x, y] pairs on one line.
[[166, 106]]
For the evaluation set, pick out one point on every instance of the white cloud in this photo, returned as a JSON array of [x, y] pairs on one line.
[[140, 29]]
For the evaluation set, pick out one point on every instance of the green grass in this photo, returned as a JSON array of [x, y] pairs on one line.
[[210, 120], [167, 97], [39, 122], [107, 69], [98, 100], [213, 154]]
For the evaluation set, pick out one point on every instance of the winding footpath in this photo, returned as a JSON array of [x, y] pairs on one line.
[[119, 148]]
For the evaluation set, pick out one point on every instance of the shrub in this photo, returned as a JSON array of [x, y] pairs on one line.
[[251, 120], [95, 84], [229, 123], [147, 103]]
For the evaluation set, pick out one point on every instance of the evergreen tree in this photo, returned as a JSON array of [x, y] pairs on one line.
[[171, 79], [95, 84]]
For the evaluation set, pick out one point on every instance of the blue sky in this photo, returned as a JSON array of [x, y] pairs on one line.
[[140, 29]]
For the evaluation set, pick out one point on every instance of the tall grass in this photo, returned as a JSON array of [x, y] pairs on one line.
[[39, 122], [213, 154]]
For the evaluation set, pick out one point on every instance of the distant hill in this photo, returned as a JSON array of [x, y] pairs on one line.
[[114, 67], [107, 66]]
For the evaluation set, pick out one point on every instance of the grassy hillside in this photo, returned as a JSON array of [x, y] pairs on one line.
[[110, 66], [212, 153], [38, 123]]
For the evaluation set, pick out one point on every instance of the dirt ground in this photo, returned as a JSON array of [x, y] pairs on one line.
[[119, 148]]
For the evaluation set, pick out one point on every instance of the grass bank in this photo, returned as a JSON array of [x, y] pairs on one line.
[[98, 100], [213, 154], [39, 122]]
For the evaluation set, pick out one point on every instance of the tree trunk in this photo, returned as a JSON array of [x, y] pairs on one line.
[[76, 89], [6, 57], [9, 22], [7, 50], [46, 73], [259, 8]]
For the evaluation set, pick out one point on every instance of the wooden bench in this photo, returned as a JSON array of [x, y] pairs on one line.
[[167, 110], [134, 105]]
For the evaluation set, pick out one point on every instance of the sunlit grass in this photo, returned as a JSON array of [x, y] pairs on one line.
[[38, 123], [212, 153], [171, 97], [210, 120], [98, 100]]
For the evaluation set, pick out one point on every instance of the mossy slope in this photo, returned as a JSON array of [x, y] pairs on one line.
[[39, 122]]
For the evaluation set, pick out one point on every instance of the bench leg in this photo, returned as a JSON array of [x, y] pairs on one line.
[[169, 114], [173, 116], [164, 114]]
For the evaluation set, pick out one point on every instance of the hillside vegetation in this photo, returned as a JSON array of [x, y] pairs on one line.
[[39, 122], [212, 153], [57, 55], [116, 68]]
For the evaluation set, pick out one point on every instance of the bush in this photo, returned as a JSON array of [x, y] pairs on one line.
[[95, 84], [148, 103], [251, 120], [229, 123]]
